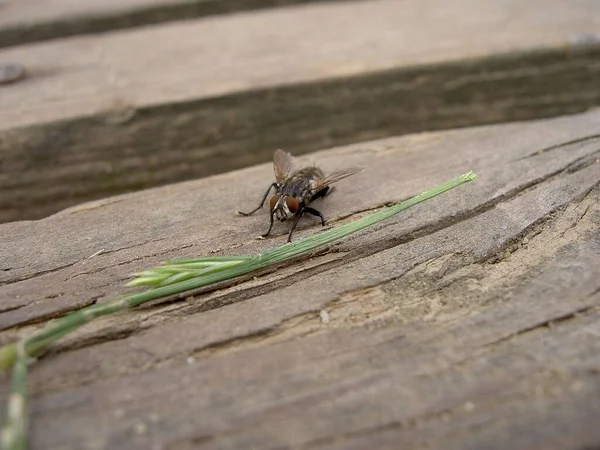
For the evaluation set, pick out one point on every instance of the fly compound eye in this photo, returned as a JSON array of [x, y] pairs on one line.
[[292, 204], [274, 201]]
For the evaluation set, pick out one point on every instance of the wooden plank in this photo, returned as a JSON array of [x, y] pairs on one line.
[[83, 76], [122, 116], [24, 22], [470, 321]]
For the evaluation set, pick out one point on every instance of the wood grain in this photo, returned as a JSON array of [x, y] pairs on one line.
[[126, 110], [471, 321]]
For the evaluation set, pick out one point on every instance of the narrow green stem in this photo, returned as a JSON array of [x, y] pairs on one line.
[[14, 431]]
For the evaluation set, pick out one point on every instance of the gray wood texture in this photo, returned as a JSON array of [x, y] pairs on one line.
[[181, 61], [471, 321], [104, 114]]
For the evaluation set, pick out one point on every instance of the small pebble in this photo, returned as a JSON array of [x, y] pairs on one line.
[[191, 360], [577, 386], [141, 428], [11, 72], [469, 406], [324, 316], [525, 241], [584, 39]]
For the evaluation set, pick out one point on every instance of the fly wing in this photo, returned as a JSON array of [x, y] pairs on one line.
[[283, 165], [334, 177]]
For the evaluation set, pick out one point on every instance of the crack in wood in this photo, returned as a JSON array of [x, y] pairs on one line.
[[591, 137], [52, 315], [546, 324], [129, 261], [107, 335], [38, 274], [578, 219]]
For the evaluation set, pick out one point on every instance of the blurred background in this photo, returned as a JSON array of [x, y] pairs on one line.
[[103, 97]]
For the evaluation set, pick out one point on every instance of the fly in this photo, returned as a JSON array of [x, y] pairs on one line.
[[295, 189]]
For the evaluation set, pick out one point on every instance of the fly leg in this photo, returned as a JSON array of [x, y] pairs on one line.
[[270, 226], [314, 212], [298, 215], [302, 210], [274, 185]]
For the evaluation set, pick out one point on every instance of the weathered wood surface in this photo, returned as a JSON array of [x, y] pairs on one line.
[[23, 21], [470, 321], [125, 110], [87, 75]]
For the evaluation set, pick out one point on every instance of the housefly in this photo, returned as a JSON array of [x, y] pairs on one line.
[[295, 189]]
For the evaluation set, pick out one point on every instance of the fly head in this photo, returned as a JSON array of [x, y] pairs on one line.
[[284, 206]]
